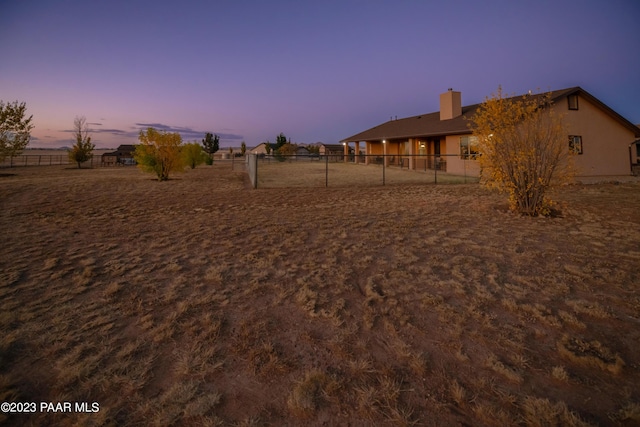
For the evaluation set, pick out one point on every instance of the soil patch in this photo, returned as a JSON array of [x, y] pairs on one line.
[[199, 301]]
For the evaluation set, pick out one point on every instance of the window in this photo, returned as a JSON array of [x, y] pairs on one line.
[[468, 147], [575, 144], [573, 102]]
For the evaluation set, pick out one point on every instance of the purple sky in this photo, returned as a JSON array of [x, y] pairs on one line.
[[317, 71]]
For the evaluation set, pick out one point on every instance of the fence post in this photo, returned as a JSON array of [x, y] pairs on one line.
[[326, 171], [465, 170], [255, 170], [384, 161], [437, 165]]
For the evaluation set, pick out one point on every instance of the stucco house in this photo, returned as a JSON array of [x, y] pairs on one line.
[[600, 137], [262, 148]]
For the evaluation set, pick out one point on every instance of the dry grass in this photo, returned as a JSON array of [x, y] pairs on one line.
[[198, 301], [307, 174]]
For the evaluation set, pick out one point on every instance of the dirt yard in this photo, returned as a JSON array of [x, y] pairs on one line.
[[199, 301]]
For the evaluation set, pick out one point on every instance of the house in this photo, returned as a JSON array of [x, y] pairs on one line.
[[262, 148], [442, 139], [122, 156], [336, 152], [302, 151], [109, 159], [332, 149]]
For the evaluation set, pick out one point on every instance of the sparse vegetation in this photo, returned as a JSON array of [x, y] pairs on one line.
[[82, 149], [211, 144], [522, 149], [193, 155], [159, 153], [15, 128], [398, 305]]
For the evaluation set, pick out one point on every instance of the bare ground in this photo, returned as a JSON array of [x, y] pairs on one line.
[[198, 301]]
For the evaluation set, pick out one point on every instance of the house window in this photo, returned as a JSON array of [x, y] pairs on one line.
[[575, 144], [573, 102], [468, 147]]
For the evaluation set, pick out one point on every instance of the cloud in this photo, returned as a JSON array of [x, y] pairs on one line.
[[117, 132], [112, 136], [114, 132], [95, 124], [185, 132]]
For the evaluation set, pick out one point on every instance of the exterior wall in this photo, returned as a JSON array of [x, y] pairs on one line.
[[456, 165], [109, 160], [395, 148], [450, 105], [375, 148], [605, 142], [260, 149]]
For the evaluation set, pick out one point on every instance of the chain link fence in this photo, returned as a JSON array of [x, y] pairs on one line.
[[336, 170]]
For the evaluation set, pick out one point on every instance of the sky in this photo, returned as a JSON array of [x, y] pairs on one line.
[[318, 71]]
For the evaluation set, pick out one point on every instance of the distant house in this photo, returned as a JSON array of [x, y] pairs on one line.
[[302, 151], [262, 148], [122, 156], [109, 159], [331, 149], [335, 151], [600, 137]]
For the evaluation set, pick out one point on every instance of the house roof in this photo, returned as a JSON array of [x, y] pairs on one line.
[[430, 125], [337, 147], [270, 144], [126, 147]]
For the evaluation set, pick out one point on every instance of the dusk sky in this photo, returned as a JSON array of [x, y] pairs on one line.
[[317, 71]]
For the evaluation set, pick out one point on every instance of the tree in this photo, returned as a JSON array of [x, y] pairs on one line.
[[15, 128], [211, 144], [159, 153], [193, 155], [523, 149], [243, 148], [280, 140], [288, 149], [267, 147], [82, 150]]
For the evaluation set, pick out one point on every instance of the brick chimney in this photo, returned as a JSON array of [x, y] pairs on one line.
[[450, 105]]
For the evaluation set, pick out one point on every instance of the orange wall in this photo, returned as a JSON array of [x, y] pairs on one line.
[[456, 165], [605, 142]]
